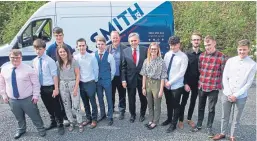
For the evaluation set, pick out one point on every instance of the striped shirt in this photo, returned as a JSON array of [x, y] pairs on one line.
[[211, 67]]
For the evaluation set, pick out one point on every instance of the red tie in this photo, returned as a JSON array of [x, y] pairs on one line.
[[101, 55], [135, 56]]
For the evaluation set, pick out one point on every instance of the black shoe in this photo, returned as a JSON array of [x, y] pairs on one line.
[[171, 129], [60, 129], [132, 119], [141, 118], [166, 122], [210, 133], [196, 129], [51, 126], [101, 118], [121, 116], [42, 133], [110, 122], [18, 135]]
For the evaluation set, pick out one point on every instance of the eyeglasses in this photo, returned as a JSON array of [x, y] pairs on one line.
[[154, 49]]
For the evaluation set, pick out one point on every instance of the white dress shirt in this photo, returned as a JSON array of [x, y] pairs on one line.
[[178, 68], [88, 67], [238, 76]]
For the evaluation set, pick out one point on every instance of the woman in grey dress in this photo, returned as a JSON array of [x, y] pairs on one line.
[[69, 75], [154, 73]]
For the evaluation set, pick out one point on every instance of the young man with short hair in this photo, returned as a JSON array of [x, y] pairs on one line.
[[19, 86], [176, 61], [238, 76], [46, 69], [191, 79], [106, 64], [89, 71], [211, 65]]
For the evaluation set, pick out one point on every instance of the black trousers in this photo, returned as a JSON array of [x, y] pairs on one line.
[[116, 83], [132, 100], [53, 105], [194, 94], [173, 103], [212, 100]]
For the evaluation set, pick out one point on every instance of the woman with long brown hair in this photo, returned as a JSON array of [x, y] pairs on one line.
[[69, 76], [154, 72]]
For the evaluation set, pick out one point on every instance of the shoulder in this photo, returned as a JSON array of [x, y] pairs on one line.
[[123, 46], [51, 46]]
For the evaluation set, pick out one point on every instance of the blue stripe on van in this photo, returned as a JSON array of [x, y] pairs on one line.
[[151, 23], [4, 59]]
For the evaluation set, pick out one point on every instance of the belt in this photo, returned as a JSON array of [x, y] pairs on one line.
[[88, 81]]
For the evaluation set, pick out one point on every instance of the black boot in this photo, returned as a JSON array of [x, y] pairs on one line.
[[52, 125], [60, 129]]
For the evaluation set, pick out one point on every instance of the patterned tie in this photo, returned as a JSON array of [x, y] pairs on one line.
[[14, 84], [101, 56], [171, 59], [40, 71], [135, 56]]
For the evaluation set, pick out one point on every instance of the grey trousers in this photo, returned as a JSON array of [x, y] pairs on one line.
[[25, 106], [71, 103], [154, 103], [226, 110]]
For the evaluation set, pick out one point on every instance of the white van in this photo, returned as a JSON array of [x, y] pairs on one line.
[[152, 20]]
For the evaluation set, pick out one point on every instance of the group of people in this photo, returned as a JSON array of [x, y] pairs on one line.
[[62, 77]]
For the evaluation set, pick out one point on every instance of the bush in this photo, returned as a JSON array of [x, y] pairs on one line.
[[228, 22]]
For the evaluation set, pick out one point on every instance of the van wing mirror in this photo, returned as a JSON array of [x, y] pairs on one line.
[[19, 40]]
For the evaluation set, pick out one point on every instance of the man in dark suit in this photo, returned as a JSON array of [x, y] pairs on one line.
[[132, 62], [116, 49]]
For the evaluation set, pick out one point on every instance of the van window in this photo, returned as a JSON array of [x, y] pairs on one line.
[[37, 29]]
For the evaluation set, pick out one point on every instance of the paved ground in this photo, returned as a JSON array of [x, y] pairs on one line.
[[123, 130]]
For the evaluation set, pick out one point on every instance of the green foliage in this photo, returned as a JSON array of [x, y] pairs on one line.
[[15, 14], [228, 22]]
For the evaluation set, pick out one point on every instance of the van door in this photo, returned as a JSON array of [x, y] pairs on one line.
[[38, 28], [84, 20]]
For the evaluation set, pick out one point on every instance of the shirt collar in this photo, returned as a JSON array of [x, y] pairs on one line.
[[192, 51], [137, 49], [43, 56], [101, 53]]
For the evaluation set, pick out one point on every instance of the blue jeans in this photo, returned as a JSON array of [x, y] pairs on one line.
[[108, 94], [87, 93]]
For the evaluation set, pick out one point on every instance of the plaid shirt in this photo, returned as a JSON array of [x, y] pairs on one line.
[[211, 67]]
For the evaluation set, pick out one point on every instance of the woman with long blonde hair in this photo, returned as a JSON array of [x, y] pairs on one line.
[[154, 72]]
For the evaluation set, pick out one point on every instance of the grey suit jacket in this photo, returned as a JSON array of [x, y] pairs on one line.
[[122, 47]]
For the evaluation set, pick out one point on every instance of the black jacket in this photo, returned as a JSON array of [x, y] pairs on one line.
[[192, 73], [129, 71]]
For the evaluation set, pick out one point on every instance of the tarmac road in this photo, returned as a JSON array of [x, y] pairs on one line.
[[123, 130]]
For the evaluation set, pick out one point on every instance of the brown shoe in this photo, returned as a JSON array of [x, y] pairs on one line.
[[232, 139], [218, 137], [191, 123], [86, 122], [180, 125], [93, 124]]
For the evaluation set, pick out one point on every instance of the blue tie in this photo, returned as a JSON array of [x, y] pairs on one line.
[[171, 59], [14, 84], [40, 71]]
